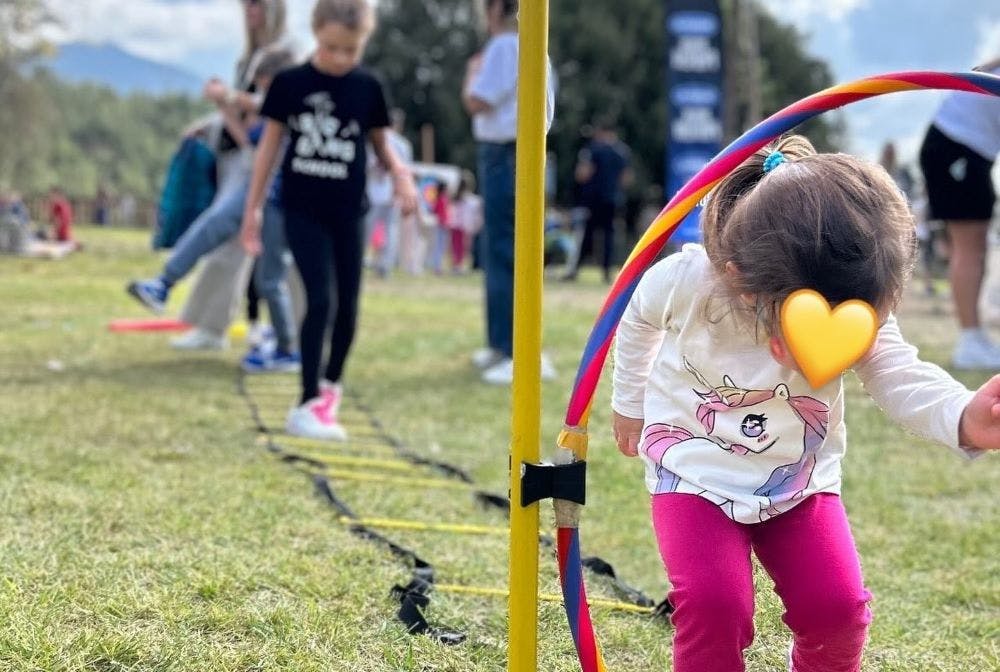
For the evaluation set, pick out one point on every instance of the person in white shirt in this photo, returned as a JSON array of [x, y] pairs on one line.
[[957, 157], [489, 94], [740, 452]]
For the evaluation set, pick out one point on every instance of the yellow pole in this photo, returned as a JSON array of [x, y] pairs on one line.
[[526, 415]]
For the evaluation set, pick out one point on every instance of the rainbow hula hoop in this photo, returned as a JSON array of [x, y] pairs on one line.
[[574, 437]]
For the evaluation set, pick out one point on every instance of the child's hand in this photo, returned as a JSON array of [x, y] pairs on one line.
[[250, 232], [627, 432], [406, 193], [980, 423]]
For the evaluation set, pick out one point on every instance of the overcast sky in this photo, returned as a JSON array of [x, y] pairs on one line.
[[857, 38]]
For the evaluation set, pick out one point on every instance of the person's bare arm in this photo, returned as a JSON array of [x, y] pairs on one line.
[[471, 103]]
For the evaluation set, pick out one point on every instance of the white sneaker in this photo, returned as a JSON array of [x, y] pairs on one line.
[[314, 420], [484, 358], [976, 351], [502, 373], [259, 334], [548, 370], [199, 339]]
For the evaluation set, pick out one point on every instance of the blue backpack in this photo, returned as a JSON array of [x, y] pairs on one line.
[[187, 191]]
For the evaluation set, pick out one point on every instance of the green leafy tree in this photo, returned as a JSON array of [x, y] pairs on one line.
[[23, 110], [608, 58], [421, 49]]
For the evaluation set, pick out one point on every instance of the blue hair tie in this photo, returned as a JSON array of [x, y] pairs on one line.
[[773, 160]]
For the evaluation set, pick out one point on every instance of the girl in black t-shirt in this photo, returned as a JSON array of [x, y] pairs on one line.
[[329, 106]]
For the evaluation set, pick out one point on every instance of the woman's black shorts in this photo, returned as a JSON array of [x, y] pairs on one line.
[[959, 186]]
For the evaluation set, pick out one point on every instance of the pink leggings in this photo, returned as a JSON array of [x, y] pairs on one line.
[[808, 552]]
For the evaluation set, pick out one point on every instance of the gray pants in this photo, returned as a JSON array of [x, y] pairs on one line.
[[222, 282], [388, 214]]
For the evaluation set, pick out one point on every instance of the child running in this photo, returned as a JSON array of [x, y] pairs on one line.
[[740, 452], [329, 105]]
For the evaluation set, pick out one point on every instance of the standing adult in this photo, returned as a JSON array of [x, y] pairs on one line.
[[226, 271], [489, 94], [603, 165], [957, 156]]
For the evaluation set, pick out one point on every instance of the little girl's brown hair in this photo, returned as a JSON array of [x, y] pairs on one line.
[[355, 15], [828, 222]]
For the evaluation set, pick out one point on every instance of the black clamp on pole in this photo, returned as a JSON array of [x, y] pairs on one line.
[[558, 481]]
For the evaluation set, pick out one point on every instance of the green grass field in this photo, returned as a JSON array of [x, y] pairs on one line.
[[143, 527]]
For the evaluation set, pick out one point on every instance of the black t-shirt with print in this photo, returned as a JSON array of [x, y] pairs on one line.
[[328, 119]]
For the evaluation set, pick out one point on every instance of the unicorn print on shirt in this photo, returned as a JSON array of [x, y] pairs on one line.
[[755, 442]]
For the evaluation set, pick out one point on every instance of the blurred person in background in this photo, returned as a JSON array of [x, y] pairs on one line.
[[224, 275], [489, 95], [957, 157]]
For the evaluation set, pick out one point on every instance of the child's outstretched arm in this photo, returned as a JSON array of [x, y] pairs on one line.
[[925, 399], [267, 153], [402, 178], [637, 342]]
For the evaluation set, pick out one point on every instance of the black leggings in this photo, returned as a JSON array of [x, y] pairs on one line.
[[328, 252]]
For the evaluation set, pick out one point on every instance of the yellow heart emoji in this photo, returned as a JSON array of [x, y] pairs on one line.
[[826, 343]]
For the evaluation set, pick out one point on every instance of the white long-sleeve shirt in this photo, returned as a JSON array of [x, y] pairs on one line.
[[724, 420]]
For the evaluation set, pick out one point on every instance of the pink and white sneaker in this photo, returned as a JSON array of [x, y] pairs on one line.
[[332, 392], [315, 419]]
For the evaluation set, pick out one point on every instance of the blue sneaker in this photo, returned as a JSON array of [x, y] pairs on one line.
[[150, 293], [286, 362], [263, 360]]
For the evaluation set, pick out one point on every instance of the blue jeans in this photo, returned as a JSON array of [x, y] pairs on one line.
[[217, 225], [496, 181], [270, 275], [220, 222]]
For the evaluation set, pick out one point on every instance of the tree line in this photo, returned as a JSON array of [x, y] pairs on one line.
[[608, 58]]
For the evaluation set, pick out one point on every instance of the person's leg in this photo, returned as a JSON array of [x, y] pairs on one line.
[[390, 253], [457, 249], [408, 243], [810, 554], [497, 168], [215, 297], [707, 557], [312, 247], [219, 223], [605, 215], [590, 223], [966, 268], [348, 248], [269, 276]]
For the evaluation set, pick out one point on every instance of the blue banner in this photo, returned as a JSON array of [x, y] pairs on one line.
[[694, 98]]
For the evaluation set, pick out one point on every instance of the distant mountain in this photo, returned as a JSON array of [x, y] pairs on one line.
[[126, 73]]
